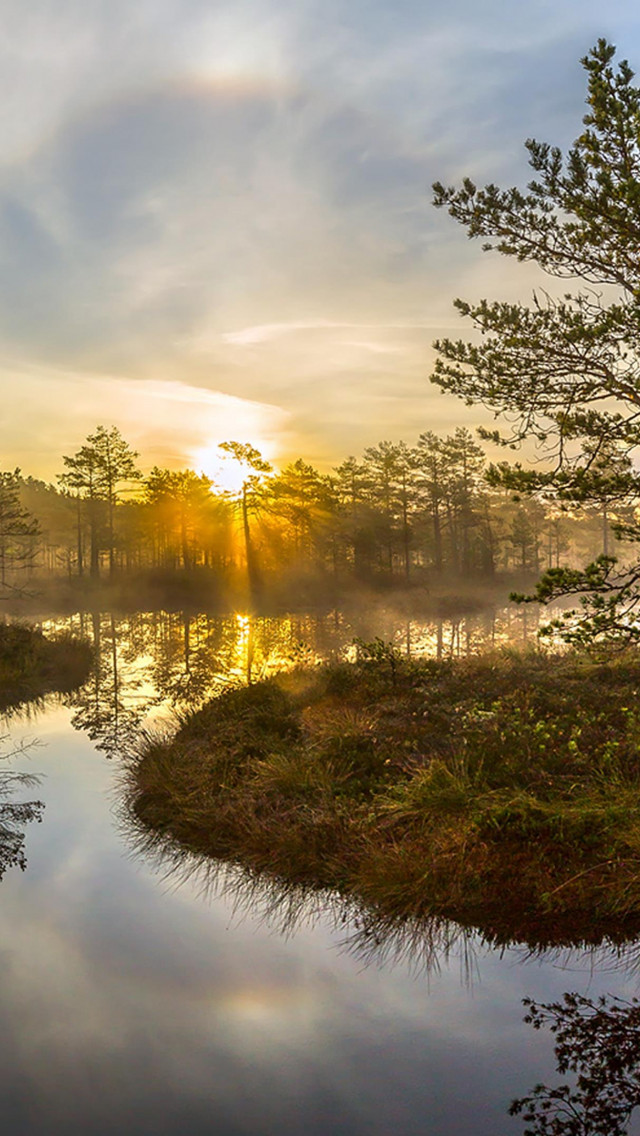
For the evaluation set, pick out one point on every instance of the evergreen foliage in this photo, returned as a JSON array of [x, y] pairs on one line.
[[401, 514], [18, 533], [566, 368], [95, 473]]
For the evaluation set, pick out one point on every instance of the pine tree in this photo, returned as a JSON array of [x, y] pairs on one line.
[[553, 364], [565, 370], [96, 473], [181, 498], [18, 532], [254, 468]]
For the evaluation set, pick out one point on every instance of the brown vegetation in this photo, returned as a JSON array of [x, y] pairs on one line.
[[32, 665], [500, 791]]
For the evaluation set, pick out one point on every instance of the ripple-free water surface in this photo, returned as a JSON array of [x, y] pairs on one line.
[[132, 1003]]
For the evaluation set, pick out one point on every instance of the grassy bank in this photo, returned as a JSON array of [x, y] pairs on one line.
[[502, 791], [32, 665]]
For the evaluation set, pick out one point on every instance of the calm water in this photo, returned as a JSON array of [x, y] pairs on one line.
[[136, 1002]]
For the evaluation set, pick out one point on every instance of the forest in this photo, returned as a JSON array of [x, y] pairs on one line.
[[398, 515]]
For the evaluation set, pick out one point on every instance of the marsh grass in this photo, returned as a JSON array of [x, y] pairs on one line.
[[501, 791], [32, 665]]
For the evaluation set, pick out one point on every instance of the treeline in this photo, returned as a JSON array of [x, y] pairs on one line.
[[398, 512]]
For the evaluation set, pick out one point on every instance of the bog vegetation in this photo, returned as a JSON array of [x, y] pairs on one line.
[[32, 665], [425, 787]]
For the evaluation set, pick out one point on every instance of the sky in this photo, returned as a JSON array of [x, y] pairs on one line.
[[216, 218]]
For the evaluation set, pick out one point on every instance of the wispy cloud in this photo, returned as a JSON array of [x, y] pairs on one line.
[[267, 332], [166, 421], [237, 195]]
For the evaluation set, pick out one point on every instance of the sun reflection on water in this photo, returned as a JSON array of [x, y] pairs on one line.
[[153, 665]]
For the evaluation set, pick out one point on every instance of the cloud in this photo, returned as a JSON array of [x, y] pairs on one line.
[[237, 197], [164, 420], [184, 204], [267, 332]]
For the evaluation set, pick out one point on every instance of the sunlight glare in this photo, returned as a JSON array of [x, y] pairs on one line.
[[225, 472]]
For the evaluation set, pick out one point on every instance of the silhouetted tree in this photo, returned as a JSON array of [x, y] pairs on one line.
[[181, 498], [523, 535], [389, 470], [403, 509], [464, 460], [254, 468], [96, 473], [432, 477], [303, 499], [355, 514]]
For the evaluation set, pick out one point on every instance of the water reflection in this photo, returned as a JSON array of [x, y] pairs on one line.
[[369, 934], [598, 1043], [283, 908], [153, 663], [111, 706], [133, 1006], [14, 815]]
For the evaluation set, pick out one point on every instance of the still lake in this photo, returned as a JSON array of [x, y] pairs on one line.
[[143, 997]]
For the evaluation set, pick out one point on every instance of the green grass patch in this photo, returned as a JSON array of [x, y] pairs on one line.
[[502, 791]]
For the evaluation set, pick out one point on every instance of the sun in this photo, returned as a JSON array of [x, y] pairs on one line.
[[226, 473]]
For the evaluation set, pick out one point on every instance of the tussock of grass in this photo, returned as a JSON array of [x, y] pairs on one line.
[[32, 665], [485, 790]]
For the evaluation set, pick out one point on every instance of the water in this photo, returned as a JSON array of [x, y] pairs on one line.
[[136, 1002]]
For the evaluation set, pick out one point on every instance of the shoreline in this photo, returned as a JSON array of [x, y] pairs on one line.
[[32, 665]]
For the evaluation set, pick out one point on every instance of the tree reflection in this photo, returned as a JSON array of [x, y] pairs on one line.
[[599, 1042], [155, 662], [108, 708], [181, 657], [190, 656], [174, 661], [14, 815]]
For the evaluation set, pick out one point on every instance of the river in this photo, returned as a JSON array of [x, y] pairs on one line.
[[148, 997]]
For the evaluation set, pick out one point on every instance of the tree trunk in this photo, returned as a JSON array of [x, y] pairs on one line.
[[252, 567], [93, 536], [79, 536], [437, 539]]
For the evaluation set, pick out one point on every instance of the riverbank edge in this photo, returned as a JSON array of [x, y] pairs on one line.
[[501, 791], [33, 665]]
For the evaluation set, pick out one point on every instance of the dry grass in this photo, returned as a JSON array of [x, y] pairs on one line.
[[497, 789]]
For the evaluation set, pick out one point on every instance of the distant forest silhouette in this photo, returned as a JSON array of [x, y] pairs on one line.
[[399, 514]]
